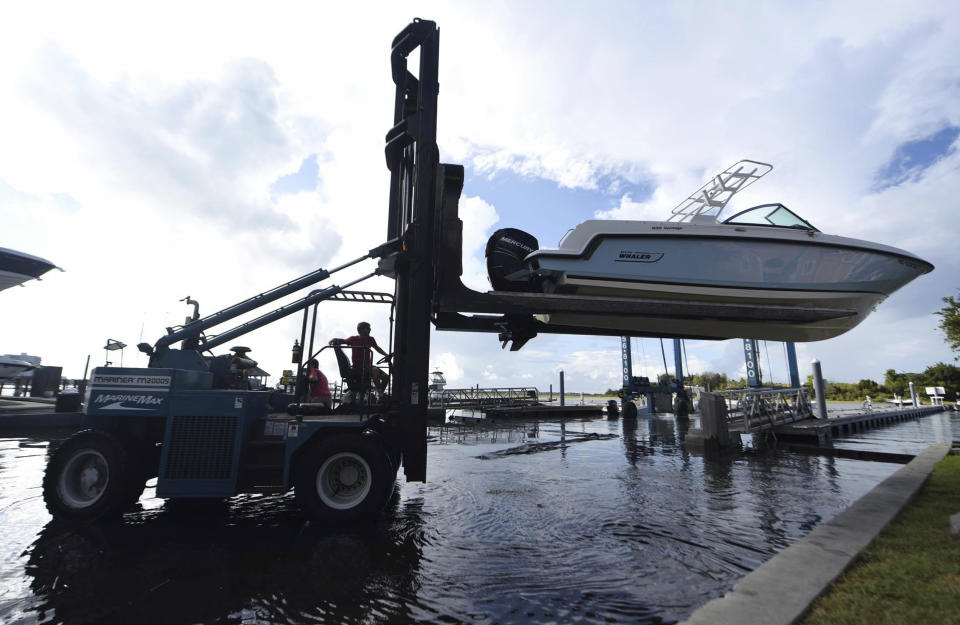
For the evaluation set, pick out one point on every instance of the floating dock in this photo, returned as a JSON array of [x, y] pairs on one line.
[[545, 411], [823, 431], [28, 413]]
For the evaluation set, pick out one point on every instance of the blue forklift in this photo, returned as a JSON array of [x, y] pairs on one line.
[[191, 420]]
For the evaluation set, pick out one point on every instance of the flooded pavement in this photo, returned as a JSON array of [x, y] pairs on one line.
[[587, 521]]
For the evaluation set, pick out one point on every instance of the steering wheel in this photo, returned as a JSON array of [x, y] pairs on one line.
[[385, 359]]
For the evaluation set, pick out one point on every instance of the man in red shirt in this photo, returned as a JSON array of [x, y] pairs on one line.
[[319, 387], [362, 357]]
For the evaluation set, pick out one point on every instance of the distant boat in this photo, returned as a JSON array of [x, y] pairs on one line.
[[17, 268], [435, 389], [12, 366]]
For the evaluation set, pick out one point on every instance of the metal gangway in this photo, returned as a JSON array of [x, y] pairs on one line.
[[756, 410], [484, 397]]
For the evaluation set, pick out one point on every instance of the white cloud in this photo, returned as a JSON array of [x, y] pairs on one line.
[[447, 363], [478, 219]]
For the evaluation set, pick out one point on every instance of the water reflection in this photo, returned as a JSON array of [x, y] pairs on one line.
[[256, 562], [602, 521]]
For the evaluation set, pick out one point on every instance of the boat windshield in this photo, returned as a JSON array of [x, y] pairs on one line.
[[770, 215]]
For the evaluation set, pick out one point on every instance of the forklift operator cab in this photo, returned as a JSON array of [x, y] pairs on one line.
[[358, 389], [358, 381]]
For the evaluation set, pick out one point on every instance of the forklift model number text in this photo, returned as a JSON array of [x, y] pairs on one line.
[[133, 380]]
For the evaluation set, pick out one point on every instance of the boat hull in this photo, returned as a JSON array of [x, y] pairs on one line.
[[17, 268], [850, 308], [11, 368]]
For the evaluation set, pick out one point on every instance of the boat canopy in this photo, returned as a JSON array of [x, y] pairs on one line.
[[770, 215]]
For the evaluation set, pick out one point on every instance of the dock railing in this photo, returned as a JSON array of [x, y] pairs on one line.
[[483, 397], [758, 409]]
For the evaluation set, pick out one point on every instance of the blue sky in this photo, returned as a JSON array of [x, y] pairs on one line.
[[543, 207], [252, 152], [911, 158]]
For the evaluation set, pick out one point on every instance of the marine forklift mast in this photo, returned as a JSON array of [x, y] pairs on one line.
[[412, 157]]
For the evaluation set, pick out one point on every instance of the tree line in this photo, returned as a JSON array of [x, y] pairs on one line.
[[894, 383]]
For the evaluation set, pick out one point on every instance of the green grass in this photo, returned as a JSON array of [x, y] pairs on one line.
[[911, 573]]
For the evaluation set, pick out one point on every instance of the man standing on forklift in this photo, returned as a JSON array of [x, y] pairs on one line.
[[362, 356]]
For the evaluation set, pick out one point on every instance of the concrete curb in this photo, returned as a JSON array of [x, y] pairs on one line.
[[782, 589]]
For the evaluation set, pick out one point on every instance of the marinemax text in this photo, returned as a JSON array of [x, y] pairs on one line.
[[149, 400]]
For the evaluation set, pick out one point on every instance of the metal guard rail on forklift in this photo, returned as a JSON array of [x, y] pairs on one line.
[[195, 328], [314, 297]]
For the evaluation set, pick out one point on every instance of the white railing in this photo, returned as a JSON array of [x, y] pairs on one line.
[[481, 397], [763, 408]]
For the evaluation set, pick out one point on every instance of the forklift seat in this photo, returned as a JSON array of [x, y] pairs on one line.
[[351, 374]]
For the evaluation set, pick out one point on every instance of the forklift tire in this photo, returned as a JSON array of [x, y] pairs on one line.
[[138, 470], [86, 478], [344, 478], [630, 410]]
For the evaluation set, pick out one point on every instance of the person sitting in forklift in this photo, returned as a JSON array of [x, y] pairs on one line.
[[319, 392], [362, 356]]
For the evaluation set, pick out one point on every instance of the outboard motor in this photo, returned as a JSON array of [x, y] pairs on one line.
[[505, 252]]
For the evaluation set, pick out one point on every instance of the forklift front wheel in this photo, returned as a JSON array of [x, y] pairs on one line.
[[344, 478], [85, 478]]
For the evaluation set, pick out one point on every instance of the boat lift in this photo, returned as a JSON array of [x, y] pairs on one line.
[[635, 386]]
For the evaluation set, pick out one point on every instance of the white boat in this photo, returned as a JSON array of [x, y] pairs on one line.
[[17, 268], [435, 389], [766, 257], [12, 366]]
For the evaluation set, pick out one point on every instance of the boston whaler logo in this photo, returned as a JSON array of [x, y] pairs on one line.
[[628, 256], [128, 402]]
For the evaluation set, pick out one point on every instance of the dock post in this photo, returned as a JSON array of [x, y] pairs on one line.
[[818, 388], [563, 401], [551, 391], [678, 362], [713, 436], [792, 365], [913, 396], [713, 419]]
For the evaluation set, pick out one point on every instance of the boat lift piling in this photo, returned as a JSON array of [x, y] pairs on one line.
[[563, 401], [820, 389]]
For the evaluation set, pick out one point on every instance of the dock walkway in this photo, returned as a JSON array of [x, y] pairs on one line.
[[823, 431]]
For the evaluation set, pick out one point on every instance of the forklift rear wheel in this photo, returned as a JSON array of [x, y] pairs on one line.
[[630, 410], [344, 478], [86, 478]]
